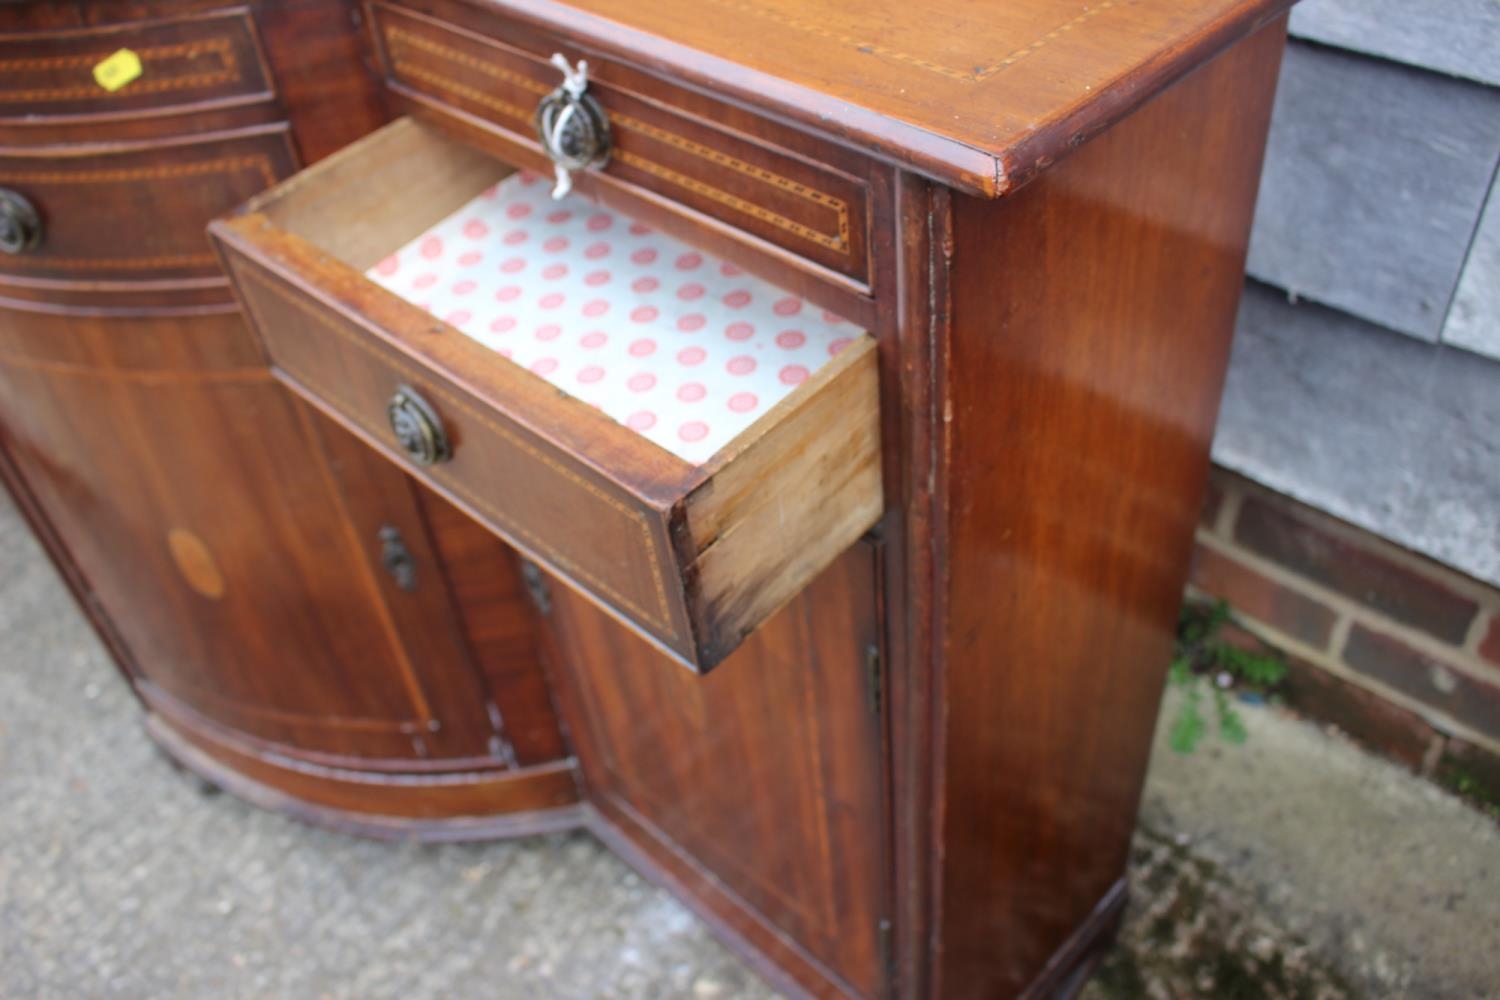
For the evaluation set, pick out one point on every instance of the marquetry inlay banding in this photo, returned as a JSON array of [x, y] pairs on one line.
[[196, 563], [136, 376], [156, 80], [837, 240], [658, 618], [402, 37], [846, 40], [479, 97]]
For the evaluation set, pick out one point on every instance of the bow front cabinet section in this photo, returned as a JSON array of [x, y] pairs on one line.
[[301, 620], [819, 395]]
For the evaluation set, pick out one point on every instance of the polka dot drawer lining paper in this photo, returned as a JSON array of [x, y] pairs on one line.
[[683, 348]]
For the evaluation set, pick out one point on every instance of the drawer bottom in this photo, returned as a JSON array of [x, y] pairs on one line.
[[687, 350]]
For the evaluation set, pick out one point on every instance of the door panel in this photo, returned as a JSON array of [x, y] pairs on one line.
[[500, 624], [190, 494], [765, 773], [466, 605]]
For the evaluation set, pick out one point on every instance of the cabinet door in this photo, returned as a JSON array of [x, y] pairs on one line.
[[240, 572], [756, 789], [462, 613]]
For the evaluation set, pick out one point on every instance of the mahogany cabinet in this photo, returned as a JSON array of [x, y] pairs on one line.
[[835, 382]]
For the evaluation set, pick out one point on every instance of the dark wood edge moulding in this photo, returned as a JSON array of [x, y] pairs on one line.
[[231, 768]]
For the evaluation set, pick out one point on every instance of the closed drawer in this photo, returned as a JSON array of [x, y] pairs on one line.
[[684, 444], [186, 62], [772, 184], [155, 198]]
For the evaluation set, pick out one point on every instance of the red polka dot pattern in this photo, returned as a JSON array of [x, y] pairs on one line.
[[682, 348]]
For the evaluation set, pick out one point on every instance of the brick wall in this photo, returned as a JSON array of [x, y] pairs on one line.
[[1365, 381], [1397, 650]]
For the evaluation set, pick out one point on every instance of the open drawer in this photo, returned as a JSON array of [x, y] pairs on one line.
[[683, 443]]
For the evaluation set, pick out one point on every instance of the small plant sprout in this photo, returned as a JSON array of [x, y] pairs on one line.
[[1208, 668]]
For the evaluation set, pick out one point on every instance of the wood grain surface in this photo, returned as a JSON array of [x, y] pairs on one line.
[[757, 788], [1083, 396]]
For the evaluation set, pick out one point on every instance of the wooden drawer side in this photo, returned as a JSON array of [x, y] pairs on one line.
[[779, 508]]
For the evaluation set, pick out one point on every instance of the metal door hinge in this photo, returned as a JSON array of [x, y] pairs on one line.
[[874, 682], [499, 746], [502, 751], [886, 947], [536, 586], [397, 558]]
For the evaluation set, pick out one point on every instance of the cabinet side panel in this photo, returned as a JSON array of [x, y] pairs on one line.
[[321, 67], [1092, 315]]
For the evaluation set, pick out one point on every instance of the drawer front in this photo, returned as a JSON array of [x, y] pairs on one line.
[[663, 141], [184, 61], [156, 197], [519, 484]]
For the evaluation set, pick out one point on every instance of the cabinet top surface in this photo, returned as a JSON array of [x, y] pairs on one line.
[[979, 94]]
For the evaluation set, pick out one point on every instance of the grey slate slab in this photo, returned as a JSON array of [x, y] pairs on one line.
[[1394, 435], [1474, 320], [1374, 180], [1460, 37]]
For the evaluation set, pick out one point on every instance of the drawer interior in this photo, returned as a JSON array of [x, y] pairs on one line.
[[595, 376], [687, 350], [684, 349]]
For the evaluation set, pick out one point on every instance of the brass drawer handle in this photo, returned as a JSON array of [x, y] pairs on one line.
[[572, 125], [20, 223], [418, 428]]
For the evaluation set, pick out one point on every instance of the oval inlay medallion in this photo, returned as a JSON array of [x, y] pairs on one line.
[[196, 563]]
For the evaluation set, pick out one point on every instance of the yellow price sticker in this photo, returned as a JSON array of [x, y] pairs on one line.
[[117, 70]]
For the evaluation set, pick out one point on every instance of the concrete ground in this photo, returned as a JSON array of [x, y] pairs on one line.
[[1296, 865], [1293, 866]]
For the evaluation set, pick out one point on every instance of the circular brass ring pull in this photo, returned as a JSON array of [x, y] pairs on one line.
[[572, 125], [418, 428], [20, 223]]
